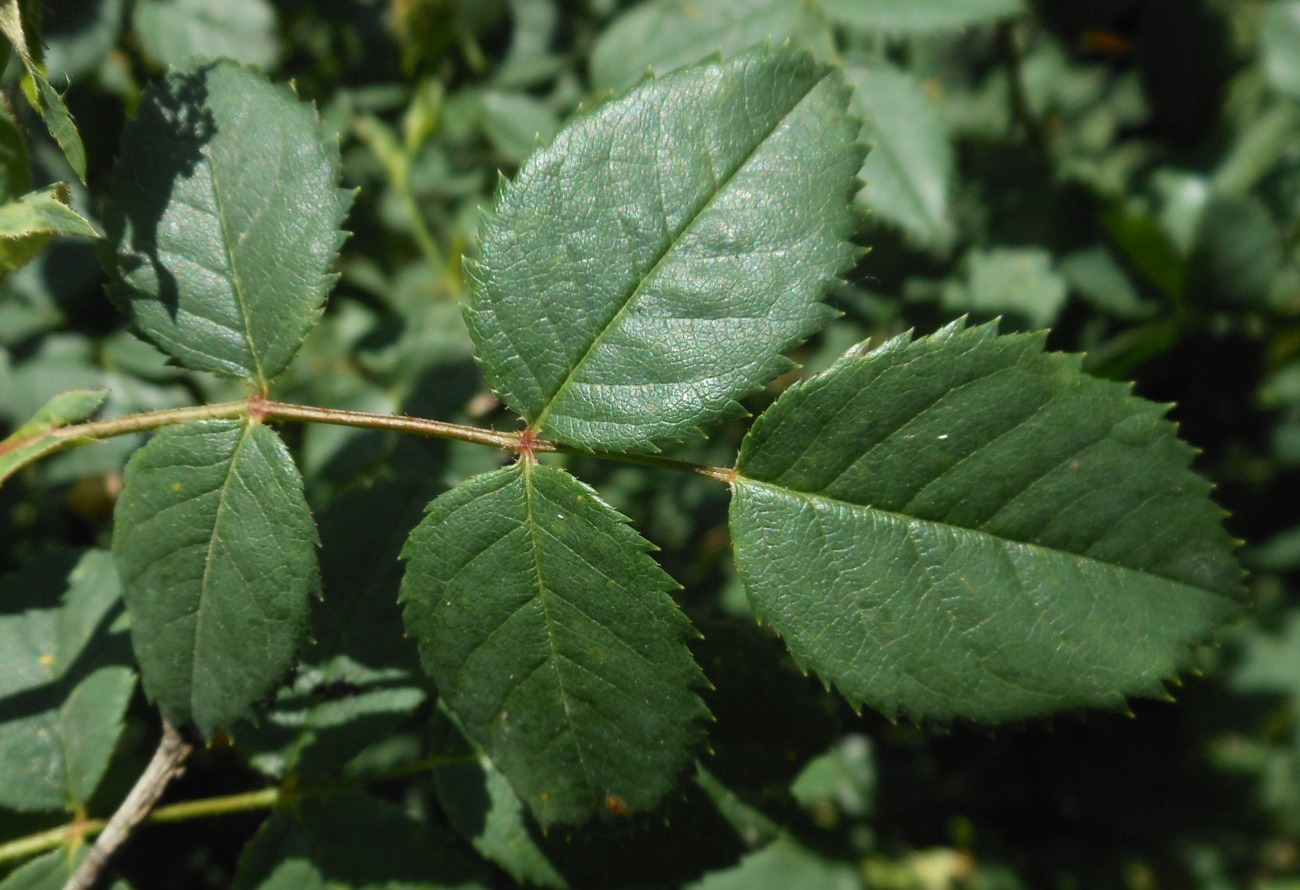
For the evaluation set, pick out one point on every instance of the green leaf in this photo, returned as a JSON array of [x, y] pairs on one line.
[[644, 271], [1019, 281], [359, 679], [1147, 246], [175, 30], [15, 167], [966, 526], [909, 169], [216, 547], [20, 23], [915, 16], [80, 38], [65, 680], [225, 220], [1238, 253], [550, 634], [351, 840], [28, 224], [664, 35], [783, 864], [1097, 276], [497, 827], [29, 443], [1279, 44], [60, 123], [516, 123]]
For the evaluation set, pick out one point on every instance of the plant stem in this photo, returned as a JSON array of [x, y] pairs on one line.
[[167, 763], [131, 423], [263, 408], [417, 425], [244, 802]]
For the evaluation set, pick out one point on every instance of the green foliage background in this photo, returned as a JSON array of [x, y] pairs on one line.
[[1125, 173]]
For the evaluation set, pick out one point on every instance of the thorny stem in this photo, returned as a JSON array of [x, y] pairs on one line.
[[261, 408], [167, 763], [245, 802]]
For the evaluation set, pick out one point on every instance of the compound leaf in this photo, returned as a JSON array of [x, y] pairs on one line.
[[966, 526], [549, 632], [644, 272], [664, 35], [216, 547], [224, 221], [65, 680]]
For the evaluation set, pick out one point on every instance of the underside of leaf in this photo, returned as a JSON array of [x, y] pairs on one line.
[[966, 526], [644, 272]]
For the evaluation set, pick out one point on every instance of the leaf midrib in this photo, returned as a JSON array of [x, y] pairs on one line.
[[204, 592], [535, 545], [631, 298], [907, 519]]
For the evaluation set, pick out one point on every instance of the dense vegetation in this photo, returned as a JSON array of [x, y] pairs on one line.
[[1123, 176]]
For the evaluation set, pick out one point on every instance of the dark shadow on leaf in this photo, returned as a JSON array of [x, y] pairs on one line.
[[161, 147]]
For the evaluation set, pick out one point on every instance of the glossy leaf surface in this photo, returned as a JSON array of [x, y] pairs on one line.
[[549, 632], [65, 679], [217, 551], [643, 272], [225, 220], [966, 526]]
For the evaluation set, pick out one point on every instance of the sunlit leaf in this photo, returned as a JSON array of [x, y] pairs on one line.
[[966, 526], [643, 272]]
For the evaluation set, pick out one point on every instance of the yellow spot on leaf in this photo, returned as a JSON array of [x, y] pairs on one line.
[[47, 660]]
